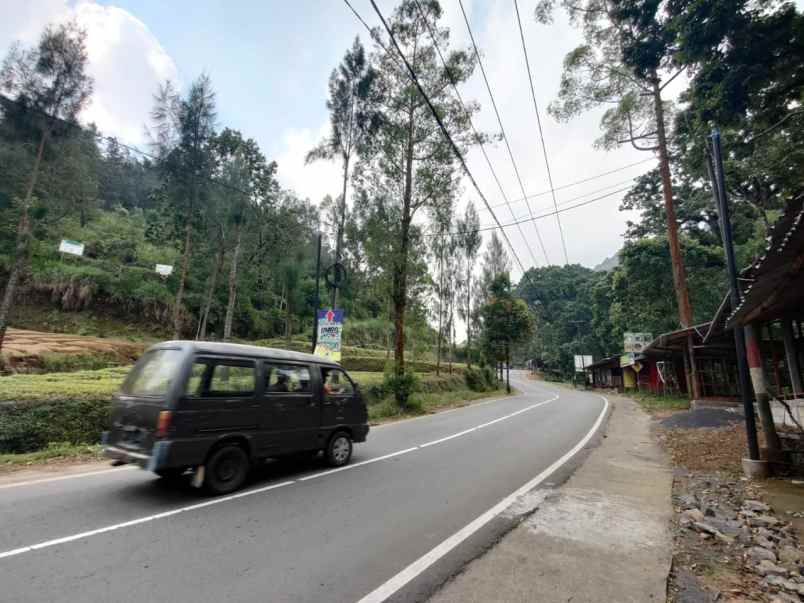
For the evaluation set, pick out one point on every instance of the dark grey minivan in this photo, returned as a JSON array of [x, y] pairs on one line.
[[217, 408]]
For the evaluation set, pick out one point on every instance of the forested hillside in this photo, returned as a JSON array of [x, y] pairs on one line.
[[203, 198]]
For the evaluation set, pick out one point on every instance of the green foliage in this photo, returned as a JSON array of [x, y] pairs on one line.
[[32, 425], [80, 385], [506, 320], [57, 362], [401, 386], [480, 379]]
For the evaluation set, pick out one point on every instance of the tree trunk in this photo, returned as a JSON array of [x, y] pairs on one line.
[[341, 224], [468, 313], [440, 306], [507, 368], [400, 280], [202, 326], [679, 274], [23, 236], [288, 319], [227, 325], [451, 331], [185, 263]]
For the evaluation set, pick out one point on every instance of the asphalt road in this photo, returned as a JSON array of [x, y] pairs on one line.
[[420, 498]]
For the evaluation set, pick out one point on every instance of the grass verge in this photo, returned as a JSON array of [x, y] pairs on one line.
[[427, 403], [55, 452], [655, 403]]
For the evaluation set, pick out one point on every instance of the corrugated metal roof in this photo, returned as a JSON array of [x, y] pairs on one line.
[[775, 282]]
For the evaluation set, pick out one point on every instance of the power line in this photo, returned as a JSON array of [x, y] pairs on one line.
[[577, 182], [586, 194], [541, 133], [532, 218], [440, 123], [479, 138], [502, 129]]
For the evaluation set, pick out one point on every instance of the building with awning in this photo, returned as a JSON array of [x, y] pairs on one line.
[[771, 311]]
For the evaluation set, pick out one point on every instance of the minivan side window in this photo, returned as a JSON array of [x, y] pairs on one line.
[[286, 378], [221, 377], [336, 383]]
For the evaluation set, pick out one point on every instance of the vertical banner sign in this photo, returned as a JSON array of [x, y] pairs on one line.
[[330, 325]]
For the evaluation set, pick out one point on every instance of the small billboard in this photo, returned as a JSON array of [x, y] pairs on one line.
[[164, 269], [71, 247], [328, 341], [635, 343], [581, 362]]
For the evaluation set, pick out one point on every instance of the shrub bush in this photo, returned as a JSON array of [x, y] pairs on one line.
[[480, 379], [401, 387], [29, 426]]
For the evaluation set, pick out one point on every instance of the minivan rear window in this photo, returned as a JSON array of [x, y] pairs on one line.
[[153, 374]]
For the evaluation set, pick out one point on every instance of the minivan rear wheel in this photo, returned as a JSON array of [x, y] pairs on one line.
[[226, 470], [339, 449]]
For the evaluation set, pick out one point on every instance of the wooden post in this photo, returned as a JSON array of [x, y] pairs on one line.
[[791, 357], [754, 355]]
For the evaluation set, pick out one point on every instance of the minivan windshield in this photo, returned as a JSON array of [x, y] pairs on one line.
[[153, 374]]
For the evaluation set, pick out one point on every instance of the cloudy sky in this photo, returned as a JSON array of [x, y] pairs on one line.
[[270, 60]]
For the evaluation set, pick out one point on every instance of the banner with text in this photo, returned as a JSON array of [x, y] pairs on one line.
[[330, 326]]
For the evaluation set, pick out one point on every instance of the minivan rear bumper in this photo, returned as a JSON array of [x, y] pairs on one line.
[[152, 462]]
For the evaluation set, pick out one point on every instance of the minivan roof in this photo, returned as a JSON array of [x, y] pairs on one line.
[[239, 349]]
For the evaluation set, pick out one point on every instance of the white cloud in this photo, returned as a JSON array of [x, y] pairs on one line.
[[125, 59], [314, 180]]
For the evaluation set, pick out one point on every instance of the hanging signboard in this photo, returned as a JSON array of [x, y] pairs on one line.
[[164, 269], [330, 326], [71, 247], [581, 362], [636, 342]]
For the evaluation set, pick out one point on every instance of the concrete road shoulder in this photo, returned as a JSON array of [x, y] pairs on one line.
[[602, 536]]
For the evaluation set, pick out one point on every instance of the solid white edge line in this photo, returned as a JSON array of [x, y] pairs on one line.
[[149, 518], [60, 478], [138, 521], [393, 585]]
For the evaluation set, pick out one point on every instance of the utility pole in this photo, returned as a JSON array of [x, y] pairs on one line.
[[715, 165], [317, 299], [676, 258]]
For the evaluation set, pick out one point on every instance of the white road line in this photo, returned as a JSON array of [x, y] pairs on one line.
[[64, 477], [390, 587], [360, 464], [134, 522], [216, 501], [449, 437], [46, 480]]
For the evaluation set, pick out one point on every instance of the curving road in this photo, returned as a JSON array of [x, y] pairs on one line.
[[420, 498]]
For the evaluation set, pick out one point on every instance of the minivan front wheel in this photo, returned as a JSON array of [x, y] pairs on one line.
[[339, 450], [226, 470]]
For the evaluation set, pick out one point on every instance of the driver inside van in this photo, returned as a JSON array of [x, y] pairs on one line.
[[282, 383]]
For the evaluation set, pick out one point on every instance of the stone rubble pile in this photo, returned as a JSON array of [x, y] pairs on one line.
[[769, 547]]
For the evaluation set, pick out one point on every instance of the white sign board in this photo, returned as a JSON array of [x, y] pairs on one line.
[[636, 342], [581, 362], [71, 247], [330, 327], [164, 269]]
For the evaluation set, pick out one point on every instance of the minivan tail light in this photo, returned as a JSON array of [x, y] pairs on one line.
[[163, 423]]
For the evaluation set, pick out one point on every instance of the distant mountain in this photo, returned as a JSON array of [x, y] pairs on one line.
[[608, 264]]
